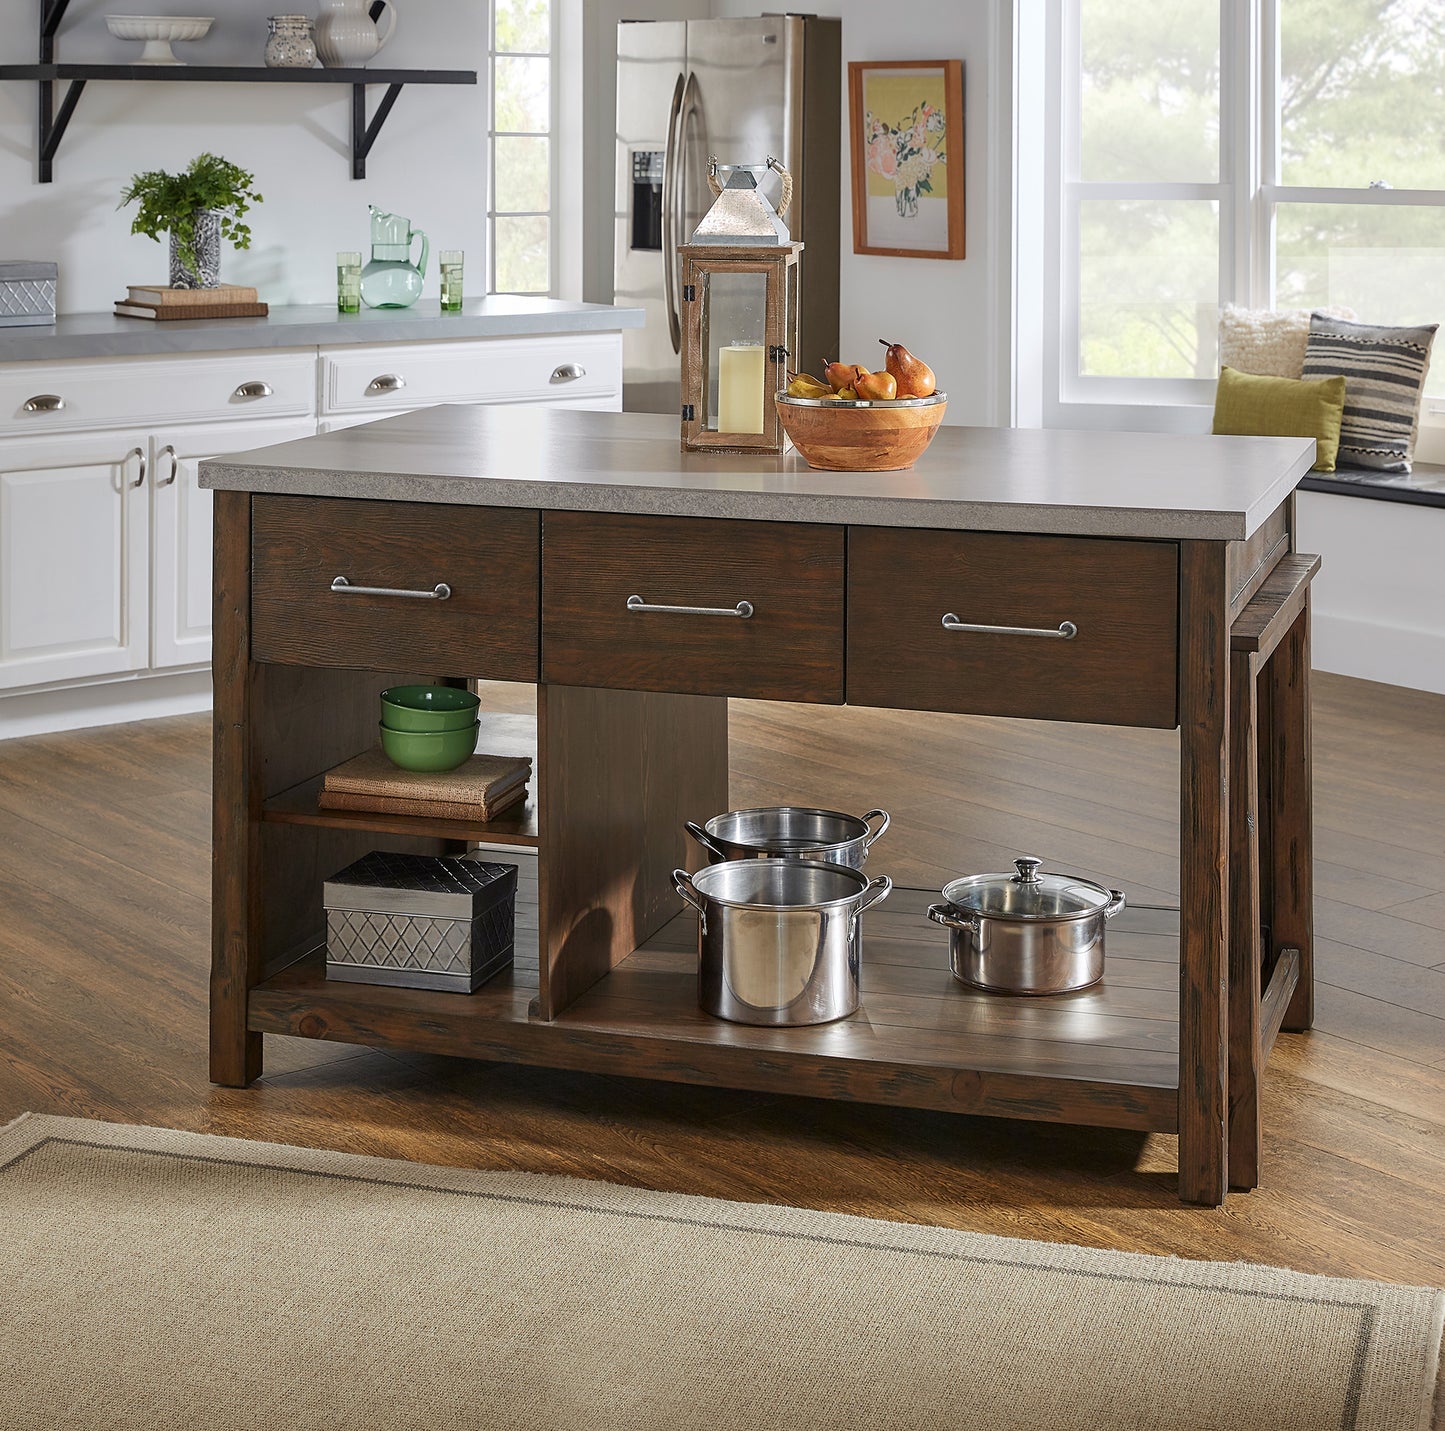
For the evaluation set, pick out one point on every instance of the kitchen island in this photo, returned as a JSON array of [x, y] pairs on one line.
[[1126, 579]]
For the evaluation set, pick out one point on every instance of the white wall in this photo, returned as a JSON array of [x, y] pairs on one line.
[[956, 315], [429, 162]]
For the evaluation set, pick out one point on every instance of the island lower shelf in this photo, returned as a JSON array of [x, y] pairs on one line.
[[1107, 1056]]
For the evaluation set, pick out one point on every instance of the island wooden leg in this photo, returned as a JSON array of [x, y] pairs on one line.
[[1203, 872], [1245, 1049], [1290, 913]]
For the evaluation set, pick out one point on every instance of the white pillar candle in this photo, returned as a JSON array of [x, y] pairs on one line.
[[740, 388]]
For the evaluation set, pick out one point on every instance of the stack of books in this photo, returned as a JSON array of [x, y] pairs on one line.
[[479, 790], [161, 304]]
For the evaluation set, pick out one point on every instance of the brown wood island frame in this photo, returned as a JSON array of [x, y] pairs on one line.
[[1211, 636]]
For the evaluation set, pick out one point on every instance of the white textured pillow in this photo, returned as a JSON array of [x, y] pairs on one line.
[[1259, 340]]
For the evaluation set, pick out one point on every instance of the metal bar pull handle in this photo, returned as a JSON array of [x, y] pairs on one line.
[[386, 383], [45, 402], [1064, 631], [139, 453], [439, 592], [743, 609], [169, 451]]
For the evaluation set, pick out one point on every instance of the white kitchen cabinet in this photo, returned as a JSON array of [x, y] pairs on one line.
[[181, 531], [74, 558]]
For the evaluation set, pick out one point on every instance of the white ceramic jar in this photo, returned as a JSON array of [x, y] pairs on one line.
[[346, 35]]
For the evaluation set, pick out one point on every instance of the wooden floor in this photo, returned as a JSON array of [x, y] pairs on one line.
[[104, 883]]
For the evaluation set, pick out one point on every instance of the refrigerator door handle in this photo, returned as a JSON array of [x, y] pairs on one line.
[[670, 163]]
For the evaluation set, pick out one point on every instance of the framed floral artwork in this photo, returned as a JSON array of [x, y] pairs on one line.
[[907, 149]]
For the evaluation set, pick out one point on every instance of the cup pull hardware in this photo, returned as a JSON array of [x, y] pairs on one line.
[[744, 609], [169, 451], [140, 453], [385, 383], [567, 373], [45, 402], [1065, 631], [440, 592], [254, 390]]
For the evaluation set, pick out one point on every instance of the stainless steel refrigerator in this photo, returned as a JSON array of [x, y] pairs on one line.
[[741, 90]]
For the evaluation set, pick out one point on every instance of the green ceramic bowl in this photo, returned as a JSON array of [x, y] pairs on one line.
[[429, 749], [428, 708]]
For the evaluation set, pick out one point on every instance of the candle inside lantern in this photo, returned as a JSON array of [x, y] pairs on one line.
[[740, 388]]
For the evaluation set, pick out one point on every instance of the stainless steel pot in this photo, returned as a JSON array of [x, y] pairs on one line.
[[1026, 933], [789, 832], [779, 941]]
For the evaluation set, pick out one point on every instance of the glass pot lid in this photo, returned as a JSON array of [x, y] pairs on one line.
[[1028, 894]]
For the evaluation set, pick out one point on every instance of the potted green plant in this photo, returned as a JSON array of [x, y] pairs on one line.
[[198, 207]]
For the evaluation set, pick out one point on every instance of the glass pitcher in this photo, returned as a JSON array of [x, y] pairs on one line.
[[391, 279]]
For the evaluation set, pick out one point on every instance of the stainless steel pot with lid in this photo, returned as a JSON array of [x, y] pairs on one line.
[[779, 941], [789, 832], [1030, 932]]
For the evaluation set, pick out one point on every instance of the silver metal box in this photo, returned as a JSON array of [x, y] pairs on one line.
[[420, 921], [27, 293]]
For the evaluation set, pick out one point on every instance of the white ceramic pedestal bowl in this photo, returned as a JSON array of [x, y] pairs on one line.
[[158, 31]]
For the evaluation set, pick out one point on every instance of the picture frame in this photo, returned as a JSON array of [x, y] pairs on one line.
[[906, 124]]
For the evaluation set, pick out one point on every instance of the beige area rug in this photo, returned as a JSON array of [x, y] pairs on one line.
[[169, 1280]]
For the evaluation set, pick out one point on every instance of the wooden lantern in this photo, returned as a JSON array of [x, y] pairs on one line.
[[739, 315]]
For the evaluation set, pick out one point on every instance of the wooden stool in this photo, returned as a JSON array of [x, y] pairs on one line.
[[1271, 966]]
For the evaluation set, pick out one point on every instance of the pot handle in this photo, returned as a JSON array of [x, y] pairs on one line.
[[703, 838], [880, 831], [878, 890], [1115, 904], [948, 916], [682, 881]]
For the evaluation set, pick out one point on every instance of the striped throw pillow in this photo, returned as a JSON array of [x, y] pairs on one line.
[[1384, 371]]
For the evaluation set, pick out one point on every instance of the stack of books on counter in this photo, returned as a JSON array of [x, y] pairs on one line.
[[480, 789], [162, 304]]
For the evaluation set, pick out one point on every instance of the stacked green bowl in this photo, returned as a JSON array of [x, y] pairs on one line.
[[428, 728]]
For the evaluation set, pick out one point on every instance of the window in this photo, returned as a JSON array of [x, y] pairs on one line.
[[1274, 153], [522, 160]]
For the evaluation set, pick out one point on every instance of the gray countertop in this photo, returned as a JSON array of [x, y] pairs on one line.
[[103, 335], [1108, 484]]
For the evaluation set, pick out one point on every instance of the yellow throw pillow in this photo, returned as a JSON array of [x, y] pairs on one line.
[[1247, 405]]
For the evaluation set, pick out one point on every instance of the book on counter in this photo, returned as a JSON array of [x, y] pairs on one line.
[[481, 789], [152, 294], [171, 312]]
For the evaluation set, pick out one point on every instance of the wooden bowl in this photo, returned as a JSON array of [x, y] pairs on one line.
[[861, 436]]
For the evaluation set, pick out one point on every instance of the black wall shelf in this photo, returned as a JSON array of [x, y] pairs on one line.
[[52, 121]]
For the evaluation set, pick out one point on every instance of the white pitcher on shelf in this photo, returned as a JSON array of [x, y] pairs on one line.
[[346, 35]]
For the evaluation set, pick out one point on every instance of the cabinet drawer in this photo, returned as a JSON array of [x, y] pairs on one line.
[[1120, 668], [419, 374], [790, 648], [487, 557], [156, 392]]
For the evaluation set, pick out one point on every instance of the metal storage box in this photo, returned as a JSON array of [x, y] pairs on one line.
[[420, 921], [27, 293]]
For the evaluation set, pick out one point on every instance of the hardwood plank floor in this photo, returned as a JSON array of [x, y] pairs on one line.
[[104, 938]]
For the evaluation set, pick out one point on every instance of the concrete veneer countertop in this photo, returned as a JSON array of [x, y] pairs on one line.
[[314, 325], [1102, 484]]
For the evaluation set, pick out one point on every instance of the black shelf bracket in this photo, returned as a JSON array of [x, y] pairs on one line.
[[363, 135], [53, 122]]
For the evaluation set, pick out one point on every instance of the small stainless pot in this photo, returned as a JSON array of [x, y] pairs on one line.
[[789, 832], [1026, 933], [779, 941]]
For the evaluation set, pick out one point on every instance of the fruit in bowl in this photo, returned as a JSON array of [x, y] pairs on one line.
[[854, 420]]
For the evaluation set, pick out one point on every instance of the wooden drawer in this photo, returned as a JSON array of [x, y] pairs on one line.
[[487, 556], [789, 649], [1120, 668], [148, 393], [565, 367]]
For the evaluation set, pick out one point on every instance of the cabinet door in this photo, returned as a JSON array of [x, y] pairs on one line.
[[181, 616], [74, 559]]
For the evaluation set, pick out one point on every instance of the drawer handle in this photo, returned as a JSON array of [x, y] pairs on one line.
[[141, 476], [439, 592], [1066, 630], [45, 402], [253, 390], [386, 383], [743, 609], [175, 471], [568, 372]]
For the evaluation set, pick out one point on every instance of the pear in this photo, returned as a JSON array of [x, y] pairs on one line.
[[839, 375], [913, 376], [877, 387], [804, 386], [847, 394]]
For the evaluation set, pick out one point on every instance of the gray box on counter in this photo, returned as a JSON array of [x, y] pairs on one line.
[[27, 293], [420, 921]]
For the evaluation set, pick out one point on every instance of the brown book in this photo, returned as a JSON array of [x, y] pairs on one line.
[[158, 293], [168, 312], [428, 809], [478, 781]]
